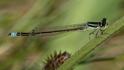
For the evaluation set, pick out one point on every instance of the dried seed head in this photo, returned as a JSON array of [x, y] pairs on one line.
[[54, 61]]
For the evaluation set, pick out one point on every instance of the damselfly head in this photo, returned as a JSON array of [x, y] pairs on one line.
[[104, 22]]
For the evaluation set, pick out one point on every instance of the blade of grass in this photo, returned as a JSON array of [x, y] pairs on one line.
[[93, 44], [120, 57]]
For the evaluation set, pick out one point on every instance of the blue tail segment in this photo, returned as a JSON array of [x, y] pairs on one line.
[[13, 34]]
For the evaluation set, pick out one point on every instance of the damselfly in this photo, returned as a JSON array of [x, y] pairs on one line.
[[101, 25]]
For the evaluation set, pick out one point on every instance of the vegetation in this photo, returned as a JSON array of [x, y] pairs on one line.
[[28, 53]]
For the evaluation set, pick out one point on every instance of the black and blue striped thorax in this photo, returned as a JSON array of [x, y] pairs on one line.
[[97, 24]]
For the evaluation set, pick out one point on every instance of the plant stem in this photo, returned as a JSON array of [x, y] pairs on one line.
[[93, 44]]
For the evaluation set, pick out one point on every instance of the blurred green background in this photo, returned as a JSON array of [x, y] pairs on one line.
[[28, 53]]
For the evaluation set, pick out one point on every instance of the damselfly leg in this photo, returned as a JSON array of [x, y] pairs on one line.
[[99, 27]]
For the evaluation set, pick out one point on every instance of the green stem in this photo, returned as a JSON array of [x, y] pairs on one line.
[[119, 57], [97, 60], [93, 44]]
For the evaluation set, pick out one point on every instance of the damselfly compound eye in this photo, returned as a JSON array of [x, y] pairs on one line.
[[54, 61]]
